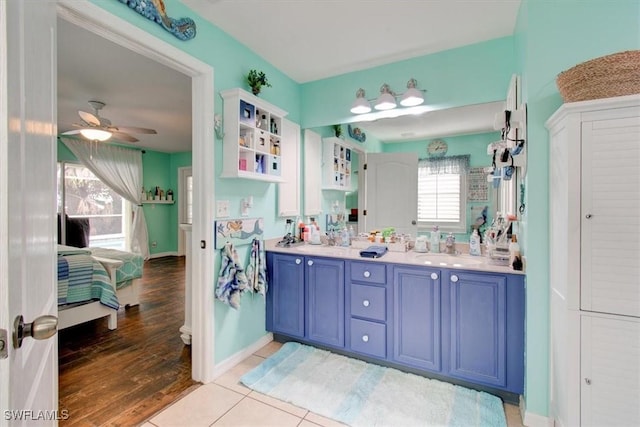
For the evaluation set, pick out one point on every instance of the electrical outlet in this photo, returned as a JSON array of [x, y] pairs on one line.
[[222, 208]]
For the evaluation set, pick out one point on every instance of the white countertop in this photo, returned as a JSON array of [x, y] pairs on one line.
[[461, 262]]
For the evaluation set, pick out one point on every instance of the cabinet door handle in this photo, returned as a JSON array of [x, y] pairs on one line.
[[454, 278], [365, 338], [588, 216], [298, 260], [366, 274], [588, 381], [365, 303], [309, 262], [434, 276]]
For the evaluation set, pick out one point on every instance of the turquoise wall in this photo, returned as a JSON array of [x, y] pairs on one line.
[[473, 145], [468, 75], [552, 37]]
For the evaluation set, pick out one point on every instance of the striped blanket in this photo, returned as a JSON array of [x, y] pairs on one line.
[[81, 278]]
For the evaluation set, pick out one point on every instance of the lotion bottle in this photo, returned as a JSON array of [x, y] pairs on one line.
[[434, 241], [474, 243]]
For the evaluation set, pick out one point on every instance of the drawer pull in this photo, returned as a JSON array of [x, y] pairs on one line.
[[310, 263], [298, 260], [365, 303], [434, 276], [454, 278], [366, 274], [365, 338]]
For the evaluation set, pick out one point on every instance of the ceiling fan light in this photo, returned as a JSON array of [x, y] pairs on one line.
[[386, 100], [360, 105], [96, 134]]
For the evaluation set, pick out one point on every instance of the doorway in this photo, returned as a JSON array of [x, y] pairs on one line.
[[100, 22]]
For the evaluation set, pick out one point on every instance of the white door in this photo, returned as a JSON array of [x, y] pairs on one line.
[[289, 190], [185, 200], [312, 173], [391, 192], [29, 375]]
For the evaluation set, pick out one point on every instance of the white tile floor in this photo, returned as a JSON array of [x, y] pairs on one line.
[[226, 402]]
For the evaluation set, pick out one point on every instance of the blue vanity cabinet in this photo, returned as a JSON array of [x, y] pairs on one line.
[[483, 314], [285, 294], [368, 306], [324, 281], [416, 317]]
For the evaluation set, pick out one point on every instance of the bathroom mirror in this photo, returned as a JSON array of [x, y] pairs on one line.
[[464, 127]]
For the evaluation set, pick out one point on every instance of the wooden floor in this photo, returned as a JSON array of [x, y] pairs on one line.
[[122, 377]]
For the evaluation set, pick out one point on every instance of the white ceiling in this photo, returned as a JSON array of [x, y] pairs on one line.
[[305, 39]]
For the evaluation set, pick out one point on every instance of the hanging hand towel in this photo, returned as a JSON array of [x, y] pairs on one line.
[[257, 268], [232, 280]]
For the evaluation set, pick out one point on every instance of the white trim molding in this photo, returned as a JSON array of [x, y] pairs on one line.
[[92, 17], [234, 359]]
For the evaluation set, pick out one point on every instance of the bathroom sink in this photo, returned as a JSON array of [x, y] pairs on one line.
[[447, 260]]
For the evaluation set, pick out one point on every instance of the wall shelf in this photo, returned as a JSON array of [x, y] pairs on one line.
[[158, 202], [252, 137]]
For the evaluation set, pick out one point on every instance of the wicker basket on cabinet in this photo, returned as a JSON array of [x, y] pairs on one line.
[[612, 75]]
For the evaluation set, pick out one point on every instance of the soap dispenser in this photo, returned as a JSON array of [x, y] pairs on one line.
[[474, 243], [434, 241]]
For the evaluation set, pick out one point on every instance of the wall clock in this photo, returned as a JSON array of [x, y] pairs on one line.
[[437, 148]]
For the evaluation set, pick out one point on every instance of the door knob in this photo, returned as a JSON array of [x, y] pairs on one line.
[[413, 222], [42, 328]]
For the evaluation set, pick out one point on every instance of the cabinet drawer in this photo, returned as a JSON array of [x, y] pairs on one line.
[[368, 272], [369, 338], [368, 302]]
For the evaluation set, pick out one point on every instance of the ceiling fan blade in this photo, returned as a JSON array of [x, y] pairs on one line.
[[124, 137], [133, 129], [89, 118], [71, 132]]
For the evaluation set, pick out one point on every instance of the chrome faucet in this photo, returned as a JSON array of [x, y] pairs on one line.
[[450, 244], [331, 238]]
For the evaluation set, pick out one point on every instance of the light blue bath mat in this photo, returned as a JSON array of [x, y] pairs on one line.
[[363, 394]]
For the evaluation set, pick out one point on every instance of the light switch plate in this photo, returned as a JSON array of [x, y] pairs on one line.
[[222, 208]]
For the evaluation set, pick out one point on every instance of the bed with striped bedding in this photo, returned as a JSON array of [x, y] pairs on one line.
[[85, 289]]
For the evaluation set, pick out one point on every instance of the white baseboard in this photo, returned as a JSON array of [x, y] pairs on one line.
[[230, 362], [163, 254], [530, 419]]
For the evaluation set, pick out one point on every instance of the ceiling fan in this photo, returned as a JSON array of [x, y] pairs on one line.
[[95, 127]]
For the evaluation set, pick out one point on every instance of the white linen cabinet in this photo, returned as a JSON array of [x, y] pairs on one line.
[[594, 161]]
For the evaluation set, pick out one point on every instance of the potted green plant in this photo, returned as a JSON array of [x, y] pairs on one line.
[[257, 79], [337, 130]]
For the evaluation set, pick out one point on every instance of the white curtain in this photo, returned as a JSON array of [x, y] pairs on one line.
[[121, 170]]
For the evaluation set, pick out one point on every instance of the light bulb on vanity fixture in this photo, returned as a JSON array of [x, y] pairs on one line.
[[387, 99]]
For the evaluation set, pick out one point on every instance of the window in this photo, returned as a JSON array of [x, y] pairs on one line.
[[81, 194], [442, 193]]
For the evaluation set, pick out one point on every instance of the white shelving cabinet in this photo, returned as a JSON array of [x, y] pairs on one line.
[[336, 159], [252, 137], [594, 251]]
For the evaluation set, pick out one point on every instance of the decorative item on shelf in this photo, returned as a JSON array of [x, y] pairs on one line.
[[387, 99], [337, 131], [169, 195], [357, 134], [257, 79]]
